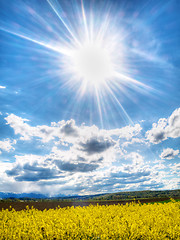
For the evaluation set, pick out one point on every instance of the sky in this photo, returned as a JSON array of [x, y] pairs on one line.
[[89, 96]]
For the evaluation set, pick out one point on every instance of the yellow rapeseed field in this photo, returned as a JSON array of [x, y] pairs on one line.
[[130, 221]]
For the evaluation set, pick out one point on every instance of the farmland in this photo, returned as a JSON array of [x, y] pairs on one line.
[[129, 221], [41, 205], [20, 203]]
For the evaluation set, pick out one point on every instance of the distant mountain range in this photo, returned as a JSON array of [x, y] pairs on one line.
[[5, 195], [107, 196]]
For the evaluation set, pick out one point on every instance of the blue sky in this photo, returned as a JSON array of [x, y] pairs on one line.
[[89, 96]]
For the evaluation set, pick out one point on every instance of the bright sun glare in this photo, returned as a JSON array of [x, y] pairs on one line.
[[93, 55], [92, 64]]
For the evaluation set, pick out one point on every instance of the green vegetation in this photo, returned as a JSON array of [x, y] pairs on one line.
[[175, 194], [139, 195], [165, 201]]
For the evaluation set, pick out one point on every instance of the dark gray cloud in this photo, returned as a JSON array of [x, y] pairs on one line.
[[159, 137], [32, 173], [46, 130], [50, 169], [76, 167], [170, 155], [43, 173], [157, 134], [94, 145], [69, 129], [14, 171]]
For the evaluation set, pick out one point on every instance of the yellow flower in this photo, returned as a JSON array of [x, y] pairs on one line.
[[130, 221]]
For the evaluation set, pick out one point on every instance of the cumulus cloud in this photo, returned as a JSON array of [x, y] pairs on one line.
[[69, 128], [82, 158], [89, 140], [26, 131], [165, 128], [96, 145], [76, 156], [130, 176], [169, 153], [133, 141], [66, 131], [76, 167], [89, 152], [120, 178], [137, 159], [175, 168], [117, 178], [7, 145], [32, 168], [56, 173], [127, 132], [32, 173], [57, 164]]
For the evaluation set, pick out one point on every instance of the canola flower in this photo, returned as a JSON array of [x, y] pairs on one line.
[[130, 221]]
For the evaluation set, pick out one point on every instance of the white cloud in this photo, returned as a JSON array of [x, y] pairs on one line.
[[175, 168], [68, 173], [59, 164], [6, 145], [126, 132], [66, 132], [136, 158], [169, 153], [26, 131], [75, 171], [134, 141], [83, 159], [2, 87], [165, 128]]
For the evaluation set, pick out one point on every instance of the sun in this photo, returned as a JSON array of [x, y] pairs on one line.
[[92, 64]]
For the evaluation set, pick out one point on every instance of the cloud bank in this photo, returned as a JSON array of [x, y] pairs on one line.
[[86, 159]]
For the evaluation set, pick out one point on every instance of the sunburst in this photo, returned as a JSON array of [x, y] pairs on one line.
[[92, 55]]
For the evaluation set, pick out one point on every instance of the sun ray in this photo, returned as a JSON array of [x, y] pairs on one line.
[[62, 50], [91, 26], [66, 26], [93, 59], [125, 78], [103, 29], [85, 20], [99, 107], [119, 104]]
